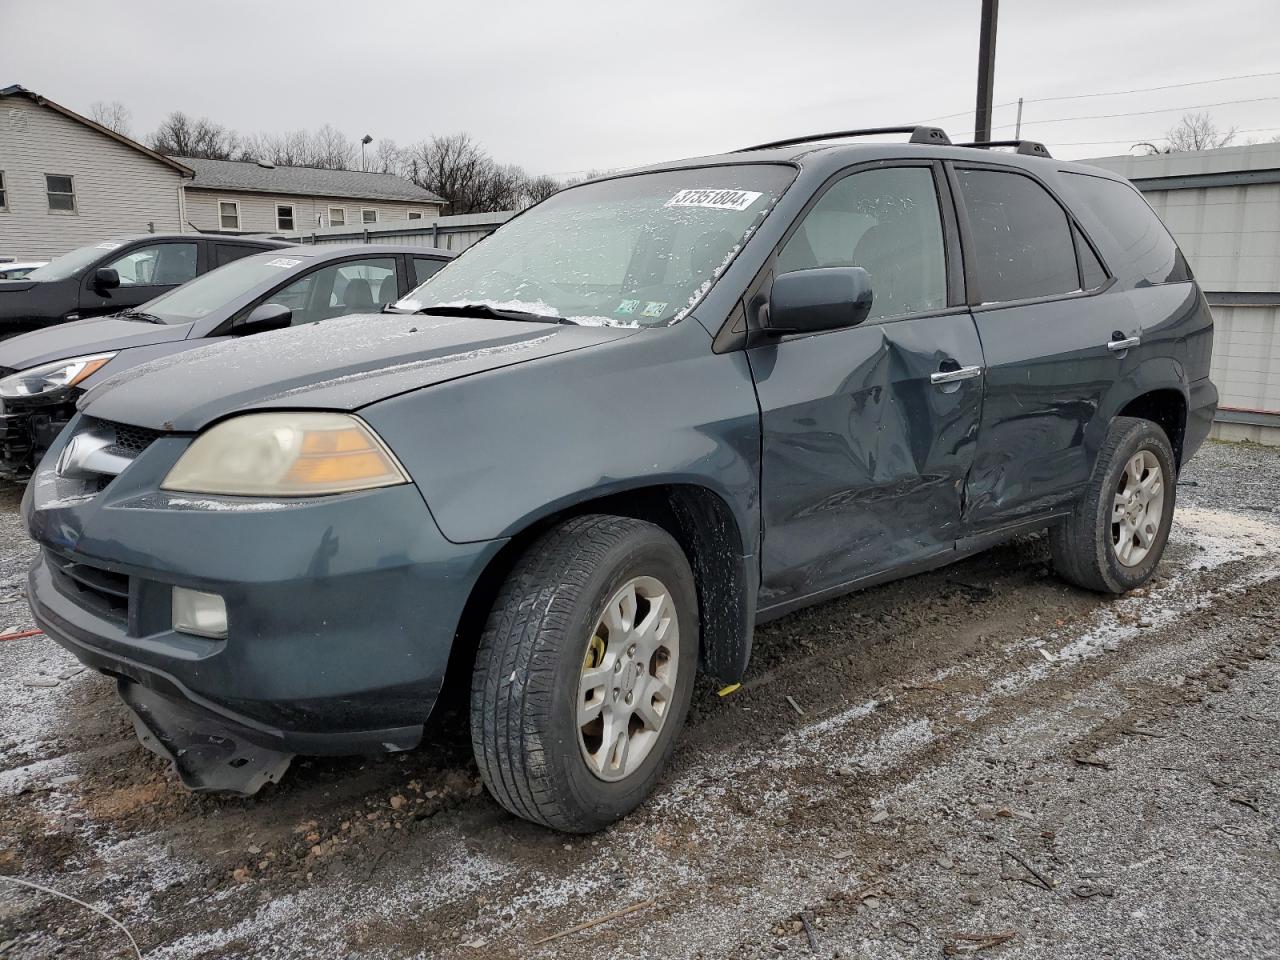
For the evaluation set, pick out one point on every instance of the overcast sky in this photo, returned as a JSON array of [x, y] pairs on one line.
[[561, 86]]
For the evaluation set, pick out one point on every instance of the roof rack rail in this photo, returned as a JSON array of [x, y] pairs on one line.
[[919, 134], [1031, 148]]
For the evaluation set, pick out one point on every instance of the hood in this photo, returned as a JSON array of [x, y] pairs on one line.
[[81, 337], [340, 364], [15, 286]]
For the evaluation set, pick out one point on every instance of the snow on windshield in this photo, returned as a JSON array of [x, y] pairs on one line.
[[633, 251]]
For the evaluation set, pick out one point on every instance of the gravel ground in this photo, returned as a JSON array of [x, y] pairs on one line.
[[987, 761]]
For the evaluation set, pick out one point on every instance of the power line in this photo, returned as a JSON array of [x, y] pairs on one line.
[[1167, 86], [1140, 113], [1113, 93], [1140, 139]]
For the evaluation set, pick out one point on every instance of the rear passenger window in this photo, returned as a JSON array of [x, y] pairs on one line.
[[1092, 273], [227, 252], [885, 221], [424, 269], [1022, 246], [1150, 254]]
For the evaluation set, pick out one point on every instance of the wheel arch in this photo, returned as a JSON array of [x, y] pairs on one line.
[[1166, 407], [702, 523]]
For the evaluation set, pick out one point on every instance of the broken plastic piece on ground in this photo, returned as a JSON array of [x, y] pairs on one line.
[[725, 691], [206, 753]]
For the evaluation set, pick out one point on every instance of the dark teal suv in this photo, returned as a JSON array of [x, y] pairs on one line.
[[581, 462]]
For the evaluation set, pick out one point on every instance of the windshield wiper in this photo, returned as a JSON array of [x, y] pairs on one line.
[[489, 312], [139, 315]]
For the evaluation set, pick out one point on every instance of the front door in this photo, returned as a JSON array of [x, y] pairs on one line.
[[146, 271], [868, 432], [1033, 278]]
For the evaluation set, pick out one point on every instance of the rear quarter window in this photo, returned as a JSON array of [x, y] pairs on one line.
[[1143, 250]]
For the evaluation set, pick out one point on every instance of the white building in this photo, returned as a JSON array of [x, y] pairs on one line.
[[1223, 206], [66, 181]]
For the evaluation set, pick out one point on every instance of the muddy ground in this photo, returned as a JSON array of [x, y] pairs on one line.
[[977, 760]]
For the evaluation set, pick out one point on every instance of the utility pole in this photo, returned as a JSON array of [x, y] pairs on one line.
[[364, 142], [1017, 132], [986, 70]]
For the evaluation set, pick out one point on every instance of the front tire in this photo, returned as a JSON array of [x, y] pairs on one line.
[[1116, 535], [584, 672]]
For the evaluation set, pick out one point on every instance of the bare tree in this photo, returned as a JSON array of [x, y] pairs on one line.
[[388, 157], [332, 150], [1197, 131], [454, 167], [114, 116], [537, 189], [181, 136]]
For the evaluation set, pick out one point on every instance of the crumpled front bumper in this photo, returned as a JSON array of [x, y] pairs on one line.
[[341, 614], [26, 432]]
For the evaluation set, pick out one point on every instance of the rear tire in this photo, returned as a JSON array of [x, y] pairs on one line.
[[1116, 535], [549, 657]]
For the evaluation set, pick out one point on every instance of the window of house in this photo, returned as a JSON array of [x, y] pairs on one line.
[[4, 194], [229, 214], [61, 191], [284, 216], [415, 214], [337, 216], [369, 215], [887, 222], [1022, 246]]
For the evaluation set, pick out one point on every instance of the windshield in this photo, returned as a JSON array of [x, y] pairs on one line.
[[72, 263], [634, 251], [197, 298]]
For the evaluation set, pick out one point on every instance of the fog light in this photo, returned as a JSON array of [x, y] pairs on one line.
[[204, 614]]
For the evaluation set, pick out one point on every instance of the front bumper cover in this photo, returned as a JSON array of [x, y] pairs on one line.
[[342, 612]]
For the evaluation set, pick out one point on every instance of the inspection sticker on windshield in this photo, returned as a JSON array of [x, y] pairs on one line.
[[109, 245], [715, 199], [283, 262]]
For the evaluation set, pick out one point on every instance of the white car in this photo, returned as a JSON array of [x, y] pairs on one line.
[[16, 271]]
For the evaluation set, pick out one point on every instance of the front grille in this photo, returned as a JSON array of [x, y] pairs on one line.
[[131, 440], [98, 590]]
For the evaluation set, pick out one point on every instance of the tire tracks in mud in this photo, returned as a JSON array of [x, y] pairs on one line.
[[927, 687]]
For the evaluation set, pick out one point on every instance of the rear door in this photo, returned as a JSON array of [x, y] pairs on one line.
[[1053, 345], [868, 432], [146, 270]]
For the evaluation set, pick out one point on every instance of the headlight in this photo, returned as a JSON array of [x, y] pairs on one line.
[[51, 377], [285, 455]]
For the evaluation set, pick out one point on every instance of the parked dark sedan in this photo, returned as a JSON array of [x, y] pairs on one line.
[[43, 373], [643, 416], [115, 274]]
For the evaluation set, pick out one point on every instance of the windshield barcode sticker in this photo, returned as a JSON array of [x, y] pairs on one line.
[[109, 245], [283, 262], [715, 199]]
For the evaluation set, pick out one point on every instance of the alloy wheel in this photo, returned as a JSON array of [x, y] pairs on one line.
[[628, 678], [1137, 508]]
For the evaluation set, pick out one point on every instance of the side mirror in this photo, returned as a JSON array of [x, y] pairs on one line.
[[826, 298], [263, 317], [106, 278]]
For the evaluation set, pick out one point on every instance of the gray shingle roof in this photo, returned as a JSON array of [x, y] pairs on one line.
[[303, 181]]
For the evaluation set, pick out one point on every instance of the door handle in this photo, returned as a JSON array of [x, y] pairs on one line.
[[1123, 344], [951, 376]]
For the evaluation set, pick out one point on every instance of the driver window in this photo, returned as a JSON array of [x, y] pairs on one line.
[[159, 264], [887, 222], [359, 286]]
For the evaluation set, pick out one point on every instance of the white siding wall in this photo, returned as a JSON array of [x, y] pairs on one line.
[[1246, 357], [258, 210], [118, 189]]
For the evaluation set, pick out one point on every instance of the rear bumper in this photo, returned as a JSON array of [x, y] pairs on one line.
[[341, 610], [1202, 405]]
